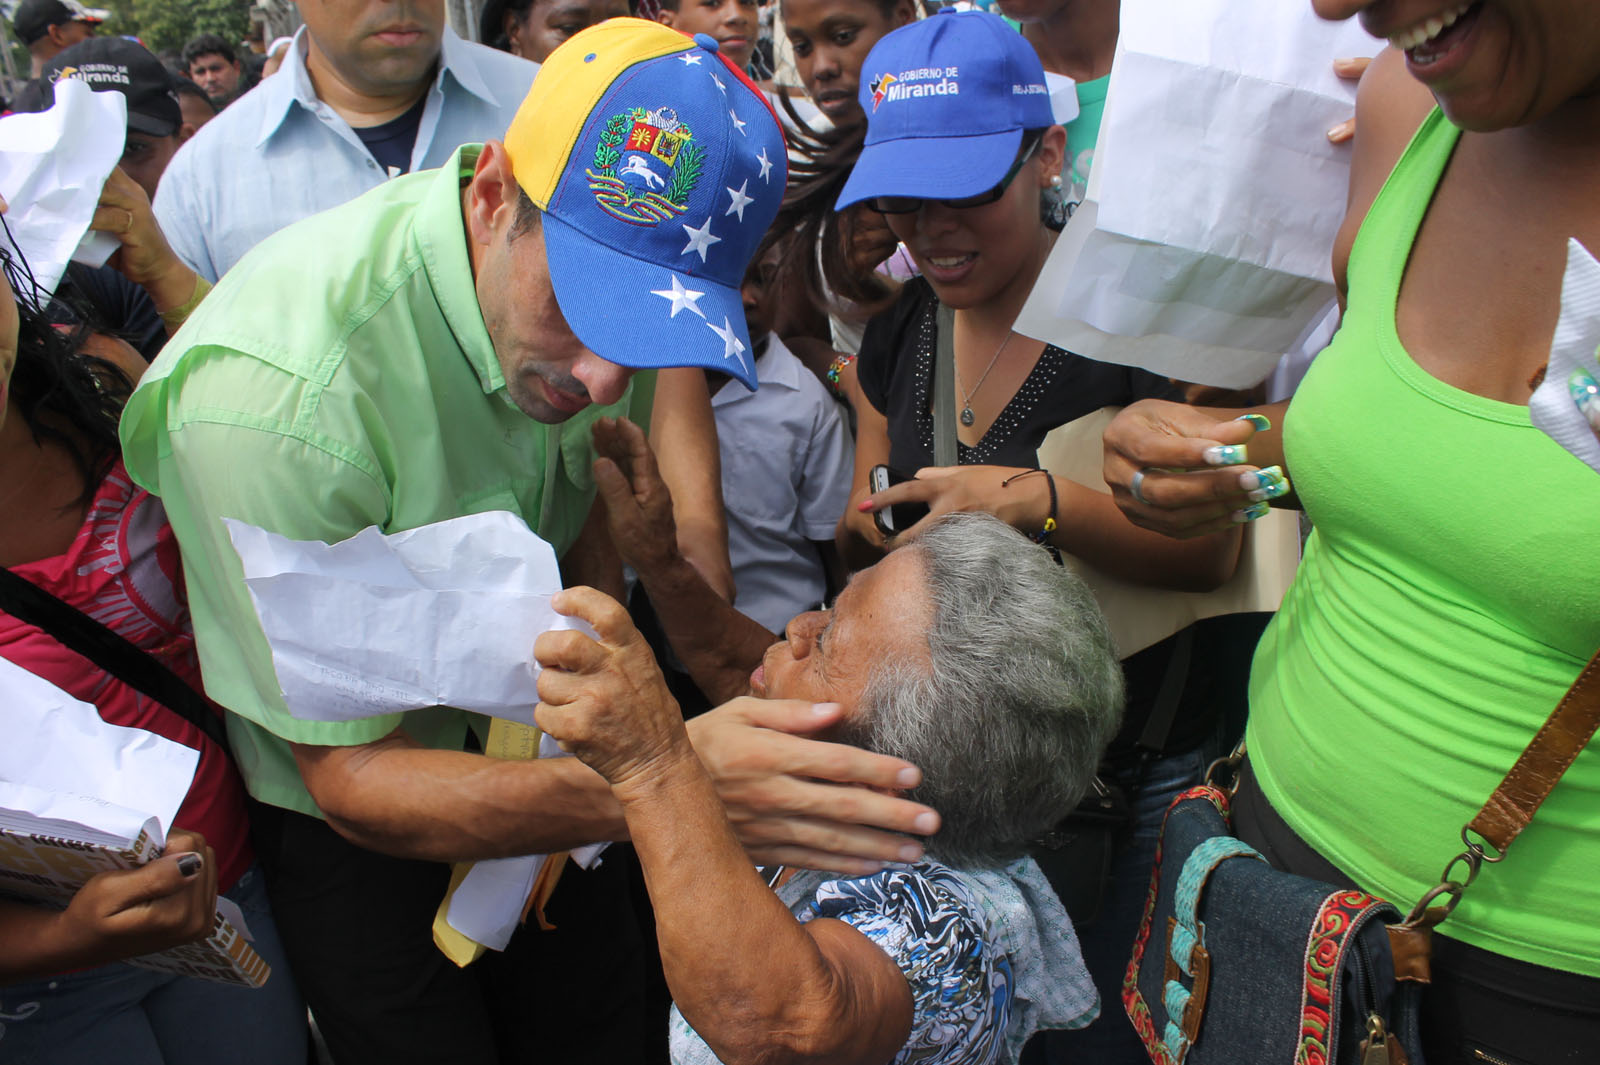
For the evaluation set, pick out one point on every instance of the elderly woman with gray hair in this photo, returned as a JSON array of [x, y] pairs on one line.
[[967, 652]]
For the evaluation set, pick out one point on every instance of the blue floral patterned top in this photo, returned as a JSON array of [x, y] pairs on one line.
[[990, 956]]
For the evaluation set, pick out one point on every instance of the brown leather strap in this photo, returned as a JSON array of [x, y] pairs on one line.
[[1568, 730]]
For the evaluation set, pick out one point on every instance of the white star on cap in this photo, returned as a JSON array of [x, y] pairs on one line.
[[721, 86], [690, 59], [682, 298], [738, 123], [732, 346], [766, 166], [699, 239], [740, 200]]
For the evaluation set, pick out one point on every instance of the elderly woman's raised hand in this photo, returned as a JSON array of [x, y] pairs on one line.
[[604, 700], [1186, 471]]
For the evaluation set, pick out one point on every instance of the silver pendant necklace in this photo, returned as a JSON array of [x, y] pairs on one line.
[[967, 417]]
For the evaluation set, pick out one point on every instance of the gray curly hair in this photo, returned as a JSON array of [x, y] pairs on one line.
[[1019, 695]]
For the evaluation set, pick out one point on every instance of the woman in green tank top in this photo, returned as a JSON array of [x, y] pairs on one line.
[[1447, 598]]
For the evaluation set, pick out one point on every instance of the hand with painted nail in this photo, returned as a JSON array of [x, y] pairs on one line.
[[1585, 392], [1023, 504], [1188, 471], [115, 915]]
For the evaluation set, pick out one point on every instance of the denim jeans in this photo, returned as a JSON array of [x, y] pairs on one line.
[[132, 1016]]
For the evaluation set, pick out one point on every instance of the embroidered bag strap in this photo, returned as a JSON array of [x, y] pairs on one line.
[[109, 650], [1568, 729], [944, 388]]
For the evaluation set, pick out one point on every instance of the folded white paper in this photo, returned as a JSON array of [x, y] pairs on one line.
[[1202, 249], [102, 776], [1574, 347], [53, 165], [442, 615], [487, 906]]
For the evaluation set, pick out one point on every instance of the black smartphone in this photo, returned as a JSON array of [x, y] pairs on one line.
[[900, 516]]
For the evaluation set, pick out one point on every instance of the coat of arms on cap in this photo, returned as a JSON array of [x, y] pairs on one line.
[[645, 166]]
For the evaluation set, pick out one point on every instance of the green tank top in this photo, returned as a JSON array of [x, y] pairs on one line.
[[1447, 599]]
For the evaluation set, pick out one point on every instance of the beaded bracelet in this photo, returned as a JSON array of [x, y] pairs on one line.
[[835, 368], [1042, 537]]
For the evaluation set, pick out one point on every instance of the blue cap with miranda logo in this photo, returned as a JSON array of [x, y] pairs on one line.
[[947, 99]]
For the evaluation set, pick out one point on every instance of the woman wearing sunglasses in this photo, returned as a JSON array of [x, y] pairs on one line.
[[963, 159]]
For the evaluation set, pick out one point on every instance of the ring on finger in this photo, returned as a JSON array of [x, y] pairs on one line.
[[1136, 487]]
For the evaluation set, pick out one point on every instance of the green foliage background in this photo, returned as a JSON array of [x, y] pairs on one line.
[[164, 25]]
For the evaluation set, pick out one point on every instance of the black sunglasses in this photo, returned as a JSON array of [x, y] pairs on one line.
[[909, 204]]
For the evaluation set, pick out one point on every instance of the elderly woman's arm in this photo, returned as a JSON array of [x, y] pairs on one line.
[[718, 645], [756, 984]]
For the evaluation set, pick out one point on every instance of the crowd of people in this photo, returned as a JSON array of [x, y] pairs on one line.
[[880, 784]]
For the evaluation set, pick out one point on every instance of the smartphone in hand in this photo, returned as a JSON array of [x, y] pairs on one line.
[[900, 516]]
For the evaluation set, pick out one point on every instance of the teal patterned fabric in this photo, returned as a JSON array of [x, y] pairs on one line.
[[989, 954]]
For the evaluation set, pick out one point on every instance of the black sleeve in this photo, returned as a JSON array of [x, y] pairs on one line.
[[1142, 384], [883, 342]]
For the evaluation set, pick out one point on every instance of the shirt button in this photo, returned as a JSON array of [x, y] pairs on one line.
[[372, 165]]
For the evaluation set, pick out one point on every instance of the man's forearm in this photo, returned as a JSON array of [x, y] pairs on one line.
[[395, 797]]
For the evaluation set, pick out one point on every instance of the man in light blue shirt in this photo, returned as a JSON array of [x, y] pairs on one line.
[[363, 96]]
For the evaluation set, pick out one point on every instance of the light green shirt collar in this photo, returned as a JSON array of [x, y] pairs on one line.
[[449, 266]]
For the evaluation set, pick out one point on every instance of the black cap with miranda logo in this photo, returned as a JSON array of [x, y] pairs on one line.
[[116, 63]]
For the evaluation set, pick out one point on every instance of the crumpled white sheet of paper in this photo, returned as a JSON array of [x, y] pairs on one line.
[[442, 615], [1576, 338], [1202, 248], [487, 906], [53, 165], [105, 777]]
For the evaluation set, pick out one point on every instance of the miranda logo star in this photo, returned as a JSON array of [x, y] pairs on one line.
[[690, 59], [699, 239], [682, 298], [720, 86], [740, 200], [738, 123], [766, 165], [732, 346]]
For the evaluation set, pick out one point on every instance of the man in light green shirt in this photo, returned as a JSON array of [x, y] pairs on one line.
[[442, 346]]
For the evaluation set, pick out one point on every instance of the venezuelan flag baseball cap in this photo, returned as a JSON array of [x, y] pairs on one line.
[[658, 167], [947, 99]]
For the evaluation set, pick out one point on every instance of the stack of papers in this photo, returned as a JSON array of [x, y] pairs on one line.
[[79, 797]]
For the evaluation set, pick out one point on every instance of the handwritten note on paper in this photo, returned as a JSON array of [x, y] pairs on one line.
[[442, 615]]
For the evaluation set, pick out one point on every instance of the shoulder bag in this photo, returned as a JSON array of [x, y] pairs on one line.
[[1236, 961], [79, 632]]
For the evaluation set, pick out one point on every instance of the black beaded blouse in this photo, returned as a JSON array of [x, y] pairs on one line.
[[896, 375]]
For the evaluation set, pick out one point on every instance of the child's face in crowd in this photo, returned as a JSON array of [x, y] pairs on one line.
[[537, 31], [756, 294], [1500, 63], [971, 255], [831, 39], [732, 23]]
